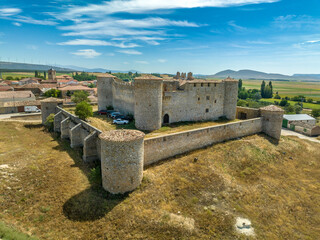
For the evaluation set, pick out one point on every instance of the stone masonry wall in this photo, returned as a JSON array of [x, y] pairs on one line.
[[197, 102], [248, 113], [159, 148], [123, 97]]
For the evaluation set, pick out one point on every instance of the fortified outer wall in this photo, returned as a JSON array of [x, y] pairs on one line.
[[247, 113], [123, 97], [159, 148], [197, 102]]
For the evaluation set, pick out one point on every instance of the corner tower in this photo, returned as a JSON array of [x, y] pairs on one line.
[[104, 87], [272, 120], [230, 98], [148, 102], [52, 74]]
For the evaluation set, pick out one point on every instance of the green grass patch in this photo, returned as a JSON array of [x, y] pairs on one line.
[[305, 105], [9, 233]]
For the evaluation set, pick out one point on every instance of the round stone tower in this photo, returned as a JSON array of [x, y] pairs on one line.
[[272, 117], [148, 102], [230, 98], [49, 106], [104, 87], [122, 154]]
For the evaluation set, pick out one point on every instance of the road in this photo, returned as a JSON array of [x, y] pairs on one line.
[[6, 116], [286, 132]]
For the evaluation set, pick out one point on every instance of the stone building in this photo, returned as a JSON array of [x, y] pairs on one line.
[[156, 101]]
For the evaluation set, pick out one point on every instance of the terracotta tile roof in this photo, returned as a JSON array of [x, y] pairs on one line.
[[19, 94], [52, 99], [148, 77], [30, 85], [74, 88], [6, 88], [49, 85], [20, 103]]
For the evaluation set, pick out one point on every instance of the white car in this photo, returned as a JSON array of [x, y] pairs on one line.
[[120, 121]]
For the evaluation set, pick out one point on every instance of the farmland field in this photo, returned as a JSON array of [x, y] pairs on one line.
[[27, 74], [305, 105], [290, 89]]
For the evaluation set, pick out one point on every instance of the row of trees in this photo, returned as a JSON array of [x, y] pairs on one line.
[[83, 76]]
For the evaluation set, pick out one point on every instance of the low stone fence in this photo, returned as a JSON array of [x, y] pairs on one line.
[[159, 148]]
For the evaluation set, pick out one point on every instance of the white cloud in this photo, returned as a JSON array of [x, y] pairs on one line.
[[110, 54], [235, 26], [162, 60], [6, 12], [142, 62], [258, 42], [313, 41], [87, 53], [296, 22], [91, 42], [17, 24], [141, 6], [30, 20], [130, 52]]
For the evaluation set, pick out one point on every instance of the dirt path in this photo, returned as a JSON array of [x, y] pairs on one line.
[[285, 132]]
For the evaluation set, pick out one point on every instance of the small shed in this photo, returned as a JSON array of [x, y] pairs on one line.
[[289, 120]]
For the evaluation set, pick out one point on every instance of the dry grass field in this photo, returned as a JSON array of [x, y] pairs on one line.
[[104, 123], [290, 89], [47, 191]]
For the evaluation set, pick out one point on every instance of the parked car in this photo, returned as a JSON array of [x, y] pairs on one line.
[[31, 109], [102, 112], [113, 115], [120, 121]]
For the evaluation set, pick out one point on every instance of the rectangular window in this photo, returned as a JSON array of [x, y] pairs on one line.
[[194, 85], [198, 99], [215, 84], [208, 97], [201, 84], [207, 110], [208, 84], [215, 101]]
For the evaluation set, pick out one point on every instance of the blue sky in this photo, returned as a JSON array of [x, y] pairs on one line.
[[202, 36]]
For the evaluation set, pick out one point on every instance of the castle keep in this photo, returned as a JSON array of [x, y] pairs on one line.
[[156, 101]]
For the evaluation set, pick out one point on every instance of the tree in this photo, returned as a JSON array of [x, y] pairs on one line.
[[9, 78], [243, 94], [53, 93], [297, 108], [277, 96], [80, 96], [283, 102], [268, 92], [44, 75], [289, 108], [257, 96], [309, 100], [240, 84], [315, 113], [263, 86], [84, 110], [49, 123]]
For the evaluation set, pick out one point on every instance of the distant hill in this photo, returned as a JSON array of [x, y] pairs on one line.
[[103, 70], [250, 74], [30, 67]]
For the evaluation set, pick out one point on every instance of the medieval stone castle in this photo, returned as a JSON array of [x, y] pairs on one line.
[[156, 101], [153, 101]]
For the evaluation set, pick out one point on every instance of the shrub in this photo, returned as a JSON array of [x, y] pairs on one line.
[[283, 102], [9, 78], [53, 93], [80, 96], [84, 110], [277, 96], [95, 176], [50, 122], [242, 103], [315, 113]]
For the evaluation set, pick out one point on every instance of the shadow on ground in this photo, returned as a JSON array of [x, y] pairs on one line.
[[91, 204]]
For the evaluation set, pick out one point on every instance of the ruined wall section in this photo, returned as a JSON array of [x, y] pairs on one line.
[[197, 102], [123, 96]]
